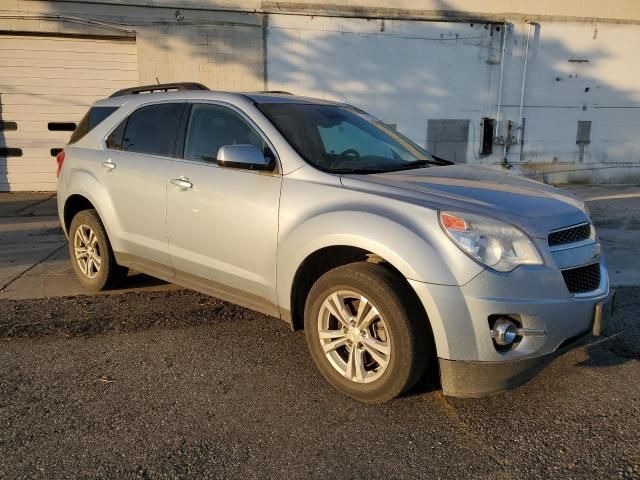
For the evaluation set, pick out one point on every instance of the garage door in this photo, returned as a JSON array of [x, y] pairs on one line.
[[46, 86]]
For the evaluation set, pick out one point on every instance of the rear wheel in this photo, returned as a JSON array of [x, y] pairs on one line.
[[365, 332], [91, 255]]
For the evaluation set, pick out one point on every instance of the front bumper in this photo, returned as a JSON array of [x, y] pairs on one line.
[[470, 379], [470, 364]]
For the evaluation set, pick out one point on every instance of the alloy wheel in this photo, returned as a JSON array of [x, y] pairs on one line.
[[87, 251], [354, 336]]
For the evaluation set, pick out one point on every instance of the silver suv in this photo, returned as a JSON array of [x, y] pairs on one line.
[[317, 213]]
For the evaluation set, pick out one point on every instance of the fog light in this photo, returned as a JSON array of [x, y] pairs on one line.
[[504, 332]]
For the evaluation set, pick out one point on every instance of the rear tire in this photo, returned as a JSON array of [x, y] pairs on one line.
[[91, 254], [366, 333]]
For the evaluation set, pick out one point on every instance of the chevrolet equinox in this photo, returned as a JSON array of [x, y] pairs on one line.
[[315, 212]]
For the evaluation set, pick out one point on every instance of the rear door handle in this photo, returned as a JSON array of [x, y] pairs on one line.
[[110, 165], [181, 182]]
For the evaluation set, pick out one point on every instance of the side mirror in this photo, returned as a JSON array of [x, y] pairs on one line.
[[248, 157]]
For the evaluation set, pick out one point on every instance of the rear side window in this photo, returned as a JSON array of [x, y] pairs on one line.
[[152, 130], [94, 116]]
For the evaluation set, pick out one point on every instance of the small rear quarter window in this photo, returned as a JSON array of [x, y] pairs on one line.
[[94, 116]]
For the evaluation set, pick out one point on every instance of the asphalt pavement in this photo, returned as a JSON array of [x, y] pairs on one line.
[[180, 385]]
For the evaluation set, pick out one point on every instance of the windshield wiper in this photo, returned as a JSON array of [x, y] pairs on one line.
[[397, 168], [410, 166], [359, 170]]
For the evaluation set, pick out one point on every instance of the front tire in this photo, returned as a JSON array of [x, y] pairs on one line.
[[91, 255], [366, 333]]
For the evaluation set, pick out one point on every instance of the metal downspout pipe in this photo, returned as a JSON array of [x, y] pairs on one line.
[[524, 82], [503, 48]]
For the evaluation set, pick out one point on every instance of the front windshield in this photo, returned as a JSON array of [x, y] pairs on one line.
[[342, 139]]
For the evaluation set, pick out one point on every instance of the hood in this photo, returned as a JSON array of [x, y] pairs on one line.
[[533, 206]]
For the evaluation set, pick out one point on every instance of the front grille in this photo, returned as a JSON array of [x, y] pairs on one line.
[[570, 235], [582, 279]]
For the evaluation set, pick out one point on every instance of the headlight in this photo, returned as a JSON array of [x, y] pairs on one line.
[[494, 243]]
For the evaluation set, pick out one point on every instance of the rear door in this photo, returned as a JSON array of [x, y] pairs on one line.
[[223, 227], [138, 156]]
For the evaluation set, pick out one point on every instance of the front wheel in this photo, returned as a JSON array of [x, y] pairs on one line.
[[366, 333]]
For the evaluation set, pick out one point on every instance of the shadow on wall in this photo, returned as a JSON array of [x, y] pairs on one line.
[[415, 73], [221, 50], [408, 73]]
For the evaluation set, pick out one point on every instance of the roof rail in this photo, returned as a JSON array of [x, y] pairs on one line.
[[279, 92], [161, 87]]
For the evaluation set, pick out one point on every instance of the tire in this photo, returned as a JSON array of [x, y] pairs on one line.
[[87, 229], [387, 346]]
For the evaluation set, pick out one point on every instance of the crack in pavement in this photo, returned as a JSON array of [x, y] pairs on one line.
[[35, 204], [28, 269]]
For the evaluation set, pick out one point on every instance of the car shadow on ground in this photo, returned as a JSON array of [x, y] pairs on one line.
[[137, 280]]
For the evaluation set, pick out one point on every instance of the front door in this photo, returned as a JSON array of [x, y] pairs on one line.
[[223, 222]]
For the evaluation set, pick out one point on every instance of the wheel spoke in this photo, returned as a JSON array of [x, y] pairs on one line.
[[377, 349], [355, 365], [340, 342], [329, 334], [371, 315], [87, 267], [80, 252], [336, 307], [93, 239], [362, 307], [83, 235], [96, 261]]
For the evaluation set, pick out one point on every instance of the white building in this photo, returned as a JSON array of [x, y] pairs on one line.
[[547, 89]]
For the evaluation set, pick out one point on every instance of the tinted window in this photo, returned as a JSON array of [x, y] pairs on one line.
[[94, 116], [211, 127], [153, 129], [343, 139], [114, 141]]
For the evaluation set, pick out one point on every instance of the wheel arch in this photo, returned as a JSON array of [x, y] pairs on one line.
[[74, 204], [85, 191], [325, 259]]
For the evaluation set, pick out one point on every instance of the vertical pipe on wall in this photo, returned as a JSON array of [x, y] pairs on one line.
[[265, 73], [503, 48], [524, 82]]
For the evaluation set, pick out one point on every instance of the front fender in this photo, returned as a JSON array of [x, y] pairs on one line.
[[414, 254]]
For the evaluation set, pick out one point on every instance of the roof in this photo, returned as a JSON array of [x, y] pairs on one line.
[[256, 97]]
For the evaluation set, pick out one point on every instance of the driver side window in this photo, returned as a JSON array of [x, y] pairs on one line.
[[211, 127]]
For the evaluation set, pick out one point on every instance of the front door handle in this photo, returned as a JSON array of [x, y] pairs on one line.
[[181, 182], [109, 164]]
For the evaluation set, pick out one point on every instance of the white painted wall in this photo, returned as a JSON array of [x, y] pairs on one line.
[[405, 72], [408, 72]]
